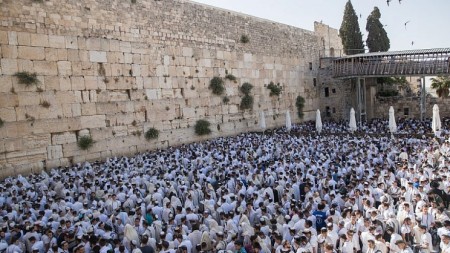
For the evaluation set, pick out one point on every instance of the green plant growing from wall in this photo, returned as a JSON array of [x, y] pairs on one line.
[[247, 100], [152, 134], [246, 88], [300, 104], [27, 78], [45, 104], [275, 90], [216, 85], [244, 39], [230, 77], [1, 122], [85, 142], [225, 100], [202, 127]]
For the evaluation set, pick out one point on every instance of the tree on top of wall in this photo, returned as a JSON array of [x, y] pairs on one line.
[[377, 39], [441, 84], [350, 32]]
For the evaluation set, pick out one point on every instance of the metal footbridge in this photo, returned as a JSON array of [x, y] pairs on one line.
[[424, 62]]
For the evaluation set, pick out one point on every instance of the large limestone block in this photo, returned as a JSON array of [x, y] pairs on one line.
[[8, 66], [188, 112], [45, 68], [28, 98], [57, 41], [97, 56], [153, 94], [8, 114], [9, 100], [78, 83], [39, 40], [71, 42], [93, 121], [7, 51], [37, 141], [64, 68], [6, 83], [63, 138]]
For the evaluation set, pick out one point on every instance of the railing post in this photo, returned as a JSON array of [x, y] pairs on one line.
[[423, 97]]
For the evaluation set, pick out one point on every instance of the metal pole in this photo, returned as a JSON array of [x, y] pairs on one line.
[[423, 97]]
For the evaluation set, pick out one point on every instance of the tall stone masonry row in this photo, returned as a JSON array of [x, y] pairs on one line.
[[114, 69]]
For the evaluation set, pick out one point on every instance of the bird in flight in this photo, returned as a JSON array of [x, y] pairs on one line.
[[387, 1], [400, 1], [412, 43], [406, 23]]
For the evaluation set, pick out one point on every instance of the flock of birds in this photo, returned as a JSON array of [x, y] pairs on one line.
[[400, 2]]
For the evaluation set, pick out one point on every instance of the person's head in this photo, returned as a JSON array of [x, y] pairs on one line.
[[371, 243], [401, 244], [446, 238], [238, 244]]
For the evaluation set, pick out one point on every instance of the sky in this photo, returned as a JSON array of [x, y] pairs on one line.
[[427, 20]]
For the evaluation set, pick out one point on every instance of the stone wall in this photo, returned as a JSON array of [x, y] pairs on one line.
[[409, 107], [112, 69]]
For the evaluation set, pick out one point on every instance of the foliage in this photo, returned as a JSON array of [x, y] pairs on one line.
[[45, 104], [275, 90], [377, 38], [1, 122], [387, 93], [350, 32], [246, 88], [27, 78], [230, 77], [225, 100], [151, 134], [202, 127], [244, 39], [300, 103], [392, 80], [133, 1], [216, 85], [85, 142], [246, 102], [441, 84]]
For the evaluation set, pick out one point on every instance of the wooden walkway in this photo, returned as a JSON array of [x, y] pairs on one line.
[[425, 62]]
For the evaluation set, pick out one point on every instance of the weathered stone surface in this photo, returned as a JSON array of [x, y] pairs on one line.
[[63, 138], [112, 81], [97, 56]]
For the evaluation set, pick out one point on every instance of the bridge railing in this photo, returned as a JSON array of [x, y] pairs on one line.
[[392, 65]]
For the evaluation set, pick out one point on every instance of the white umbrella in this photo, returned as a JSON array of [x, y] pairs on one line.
[[352, 125], [392, 124], [318, 122], [436, 122], [262, 121], [288, 121]]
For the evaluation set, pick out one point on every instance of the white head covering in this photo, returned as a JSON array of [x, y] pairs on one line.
[[130, 233]]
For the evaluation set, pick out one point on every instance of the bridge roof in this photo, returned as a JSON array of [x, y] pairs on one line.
[[404, 52]]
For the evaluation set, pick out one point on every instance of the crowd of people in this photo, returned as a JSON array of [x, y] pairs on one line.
[[270, 192]]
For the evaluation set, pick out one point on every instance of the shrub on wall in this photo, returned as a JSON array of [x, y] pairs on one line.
[[27, 78], [300, 103], [216, 85], [1, 122], [151, 134], [246, 88], [246, 102], [202, 127], [275, 90], [244, 39], [85, 142], [230, 77]]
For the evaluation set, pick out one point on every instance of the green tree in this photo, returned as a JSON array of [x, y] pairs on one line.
[[441, 84], [350, 32], [377, 38]]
